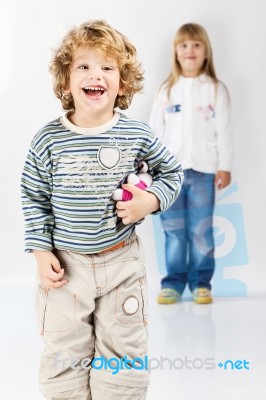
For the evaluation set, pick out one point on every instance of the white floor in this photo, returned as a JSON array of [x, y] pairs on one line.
[[187, 342]]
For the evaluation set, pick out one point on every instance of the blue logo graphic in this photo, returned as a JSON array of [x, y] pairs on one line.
[[173, 109], [231, 365]]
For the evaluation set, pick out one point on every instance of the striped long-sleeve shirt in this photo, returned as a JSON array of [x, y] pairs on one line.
[[69, 177]]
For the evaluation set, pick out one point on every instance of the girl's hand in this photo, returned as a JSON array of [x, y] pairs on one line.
[[222, 179], [142, 204], [49, 269]]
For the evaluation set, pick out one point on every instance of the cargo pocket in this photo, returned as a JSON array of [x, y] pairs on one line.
[[56, 310], [131, 299]]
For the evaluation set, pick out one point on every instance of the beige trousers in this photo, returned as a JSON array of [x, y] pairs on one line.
[[91, 324]]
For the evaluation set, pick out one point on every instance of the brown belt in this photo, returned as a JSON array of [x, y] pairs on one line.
[[115, 247]]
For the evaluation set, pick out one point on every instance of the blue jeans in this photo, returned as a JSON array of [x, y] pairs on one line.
[[189, 243]]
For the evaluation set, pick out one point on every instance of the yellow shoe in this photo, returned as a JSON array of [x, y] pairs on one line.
[[202, 296], [168, 296]]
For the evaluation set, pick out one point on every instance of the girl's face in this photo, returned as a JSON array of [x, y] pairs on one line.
[[191, 55]]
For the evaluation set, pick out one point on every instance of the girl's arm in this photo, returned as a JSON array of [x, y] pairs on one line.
[[156, 121], [223, 129]]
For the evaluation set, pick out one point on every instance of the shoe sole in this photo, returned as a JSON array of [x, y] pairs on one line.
[[161, 300], [203, 300]]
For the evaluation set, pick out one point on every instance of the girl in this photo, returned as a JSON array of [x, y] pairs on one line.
[[191, 115]]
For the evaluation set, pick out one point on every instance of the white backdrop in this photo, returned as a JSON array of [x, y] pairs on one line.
[[237, 29]]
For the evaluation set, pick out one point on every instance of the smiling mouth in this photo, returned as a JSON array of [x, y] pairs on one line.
[[93, 91]]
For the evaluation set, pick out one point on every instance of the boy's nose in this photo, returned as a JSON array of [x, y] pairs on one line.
[[95, 73]]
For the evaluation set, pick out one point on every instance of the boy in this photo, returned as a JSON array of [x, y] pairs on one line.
[[91, 300]]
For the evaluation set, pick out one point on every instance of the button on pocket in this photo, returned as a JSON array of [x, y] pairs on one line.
[[131, 299]]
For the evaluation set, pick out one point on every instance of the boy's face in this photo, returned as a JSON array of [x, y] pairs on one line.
[[94, 84]]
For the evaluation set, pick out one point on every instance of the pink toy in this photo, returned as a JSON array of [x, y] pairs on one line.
[[142, 180]]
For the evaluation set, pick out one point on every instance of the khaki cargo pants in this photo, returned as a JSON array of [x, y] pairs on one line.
[[99, 315]]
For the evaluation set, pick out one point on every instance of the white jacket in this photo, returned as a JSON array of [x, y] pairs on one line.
[[194, 123]]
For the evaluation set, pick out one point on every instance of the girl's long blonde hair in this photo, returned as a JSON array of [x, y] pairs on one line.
[[191, 31]]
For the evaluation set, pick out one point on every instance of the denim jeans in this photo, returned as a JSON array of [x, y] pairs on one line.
[[189, 243]]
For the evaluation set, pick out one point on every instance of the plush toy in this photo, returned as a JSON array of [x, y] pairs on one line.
[[142, 180]]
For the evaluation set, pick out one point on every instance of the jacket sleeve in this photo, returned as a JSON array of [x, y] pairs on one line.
[[167, 173], [223, 129], [36, 188], [156, 121]]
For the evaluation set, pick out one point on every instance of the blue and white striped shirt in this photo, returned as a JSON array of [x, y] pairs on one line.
[[70, 175]]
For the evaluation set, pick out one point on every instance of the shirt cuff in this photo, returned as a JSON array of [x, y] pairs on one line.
[[38, 241]]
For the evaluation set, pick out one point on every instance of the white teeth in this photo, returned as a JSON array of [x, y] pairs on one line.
[[93, 88]]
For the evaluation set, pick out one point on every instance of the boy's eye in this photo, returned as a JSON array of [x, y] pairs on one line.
[[107, 68], [83, 67]]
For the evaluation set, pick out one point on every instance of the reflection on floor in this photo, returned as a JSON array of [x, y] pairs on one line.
[[210, 352]]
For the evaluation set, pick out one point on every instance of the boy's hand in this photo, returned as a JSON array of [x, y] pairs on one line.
[[142, 204], [50, 271], [222, 179]]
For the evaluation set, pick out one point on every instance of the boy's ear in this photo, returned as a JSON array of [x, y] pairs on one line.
[[121, 92]]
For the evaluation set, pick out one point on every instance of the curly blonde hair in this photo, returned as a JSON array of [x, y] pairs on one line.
[[100, 35]]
